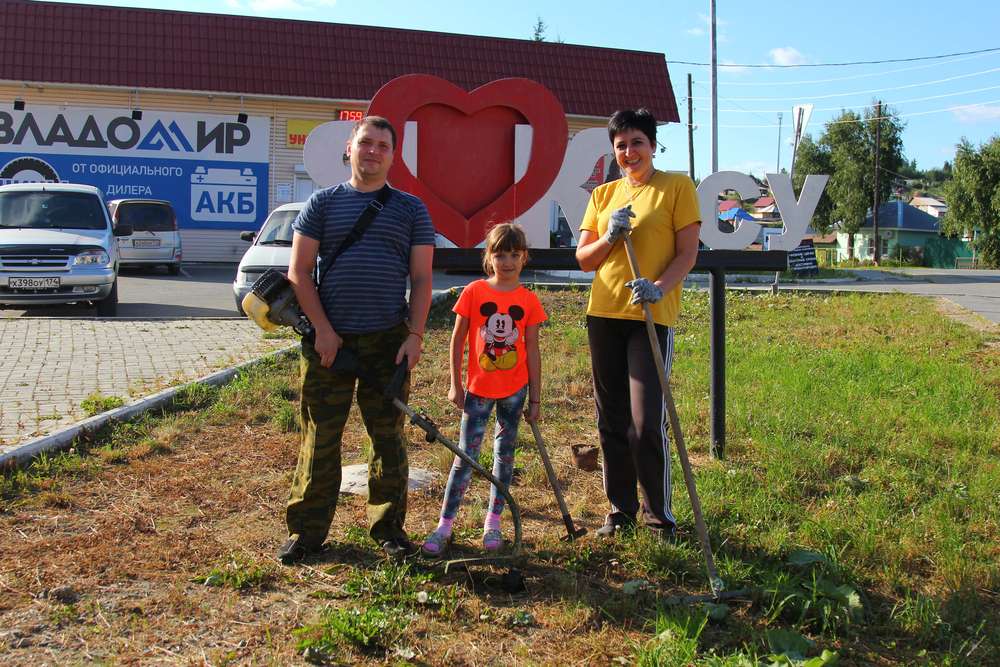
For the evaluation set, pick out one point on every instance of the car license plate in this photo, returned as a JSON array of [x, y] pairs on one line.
[[32, 283], [145, 243]]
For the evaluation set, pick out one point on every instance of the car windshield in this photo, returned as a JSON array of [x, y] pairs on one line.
[[147, 217], [278, 229], [51, 210]]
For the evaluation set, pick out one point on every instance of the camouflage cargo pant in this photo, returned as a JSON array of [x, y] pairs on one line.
[[325, 404]]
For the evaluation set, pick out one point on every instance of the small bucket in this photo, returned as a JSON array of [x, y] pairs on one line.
[[585, 457]]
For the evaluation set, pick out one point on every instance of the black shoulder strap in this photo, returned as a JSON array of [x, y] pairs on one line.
[[363, 223]]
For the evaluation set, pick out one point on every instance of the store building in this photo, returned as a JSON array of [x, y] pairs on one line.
[[211, 111]]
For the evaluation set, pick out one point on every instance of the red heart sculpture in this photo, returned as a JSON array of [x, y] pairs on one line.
[[467, 178]]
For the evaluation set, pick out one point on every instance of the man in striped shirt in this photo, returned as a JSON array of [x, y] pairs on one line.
[[361, 305]]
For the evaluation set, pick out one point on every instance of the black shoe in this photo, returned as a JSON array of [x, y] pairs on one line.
[[399, 548], [295, 550], [615, 525], [667, 534]]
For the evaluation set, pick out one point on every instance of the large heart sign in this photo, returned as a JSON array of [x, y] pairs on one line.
[[465, 171]]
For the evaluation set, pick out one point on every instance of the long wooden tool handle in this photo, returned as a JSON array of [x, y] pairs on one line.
[[715, 582], [551, 473]]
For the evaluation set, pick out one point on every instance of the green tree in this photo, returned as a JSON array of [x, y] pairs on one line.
[[814, 158], [973, 196], [538, 34], [846, 151]]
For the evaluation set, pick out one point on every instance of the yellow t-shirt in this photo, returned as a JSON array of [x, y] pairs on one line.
[[665, 205]]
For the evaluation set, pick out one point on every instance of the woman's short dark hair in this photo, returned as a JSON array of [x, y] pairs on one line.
[[632, 119]]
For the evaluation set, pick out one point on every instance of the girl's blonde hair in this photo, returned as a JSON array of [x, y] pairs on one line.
[[504, 237]]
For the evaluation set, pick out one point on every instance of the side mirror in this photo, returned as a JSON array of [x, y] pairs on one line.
[[123, 229], [247, 236]]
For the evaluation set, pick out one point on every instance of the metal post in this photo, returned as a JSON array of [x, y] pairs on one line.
[[715, 93], [878, 144], [717, 350], [777, 168], [690, 130]]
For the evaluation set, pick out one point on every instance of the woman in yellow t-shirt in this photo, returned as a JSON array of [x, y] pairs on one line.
[[660, 211]]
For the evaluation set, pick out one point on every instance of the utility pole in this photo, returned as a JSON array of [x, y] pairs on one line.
[[690, 130], [715, 93], [878, 147], [777, 169]]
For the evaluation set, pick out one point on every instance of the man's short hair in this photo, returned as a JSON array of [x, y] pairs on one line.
[[632, 119], [375, 121]]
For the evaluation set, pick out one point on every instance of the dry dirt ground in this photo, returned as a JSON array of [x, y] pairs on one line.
[[102, 567]]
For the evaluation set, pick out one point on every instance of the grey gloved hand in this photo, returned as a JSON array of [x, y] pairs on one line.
[[644, 291], [618, 224]]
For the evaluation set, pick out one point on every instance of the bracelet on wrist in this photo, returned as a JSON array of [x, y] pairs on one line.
[[419, 336], [534, 402]]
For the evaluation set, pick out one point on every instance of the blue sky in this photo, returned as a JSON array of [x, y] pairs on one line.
[[941, 101]]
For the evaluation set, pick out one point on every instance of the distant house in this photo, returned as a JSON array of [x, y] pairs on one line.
[[765, 209], [930, 205], [906, 233]]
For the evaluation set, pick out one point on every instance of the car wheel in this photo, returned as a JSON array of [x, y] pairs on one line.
[[174, 269], [108, 306], [239, 309]]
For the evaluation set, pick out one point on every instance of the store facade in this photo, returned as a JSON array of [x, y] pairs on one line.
[[212, 112]]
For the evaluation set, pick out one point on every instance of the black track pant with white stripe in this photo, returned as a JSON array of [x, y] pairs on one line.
[[632, 418]]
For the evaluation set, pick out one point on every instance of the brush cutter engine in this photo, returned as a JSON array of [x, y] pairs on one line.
[[271, 303]]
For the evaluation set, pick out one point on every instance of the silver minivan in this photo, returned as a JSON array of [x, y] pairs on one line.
[[58, 245], [155, 239]]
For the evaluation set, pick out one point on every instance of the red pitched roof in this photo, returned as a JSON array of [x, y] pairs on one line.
[[764, 202], [727, 204], [147, 48]]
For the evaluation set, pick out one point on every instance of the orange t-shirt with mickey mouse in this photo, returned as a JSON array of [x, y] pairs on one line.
[[498, 359]]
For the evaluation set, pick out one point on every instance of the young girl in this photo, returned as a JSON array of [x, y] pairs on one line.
[[500, 319]]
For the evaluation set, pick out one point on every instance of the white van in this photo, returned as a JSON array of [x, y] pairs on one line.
[[58, 245], [155, 239], [271, 249]]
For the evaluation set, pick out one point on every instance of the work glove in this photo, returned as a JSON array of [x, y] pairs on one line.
[[644, 291], [618, 224]]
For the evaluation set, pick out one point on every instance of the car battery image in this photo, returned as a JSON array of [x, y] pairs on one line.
[[223, 195]]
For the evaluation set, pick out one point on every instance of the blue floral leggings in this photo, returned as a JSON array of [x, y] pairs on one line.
[[474, 416]]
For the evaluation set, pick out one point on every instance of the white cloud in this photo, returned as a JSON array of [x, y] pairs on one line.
[[755, 167], [698, 31], [786, 55], [977, 114]]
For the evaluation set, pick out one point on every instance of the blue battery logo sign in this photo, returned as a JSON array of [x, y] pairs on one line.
[[213, 171], [223, 195]]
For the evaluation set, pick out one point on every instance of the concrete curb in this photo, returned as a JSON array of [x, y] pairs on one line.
[[63, 438]]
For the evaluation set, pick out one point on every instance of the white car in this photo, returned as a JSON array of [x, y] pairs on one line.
[[58, 245], [155, 239], [271, 249]]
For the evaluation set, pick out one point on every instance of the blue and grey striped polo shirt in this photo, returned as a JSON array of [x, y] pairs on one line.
[[365, 291]]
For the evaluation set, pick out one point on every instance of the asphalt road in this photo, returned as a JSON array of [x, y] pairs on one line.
[[202, 290]]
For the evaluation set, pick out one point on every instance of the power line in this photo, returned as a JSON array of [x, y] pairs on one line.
[[840, 108], [865, 120], [867, 75], [872, 91], [842, 64]]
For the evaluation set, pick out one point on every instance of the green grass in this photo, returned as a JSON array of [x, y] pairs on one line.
[[96, 403], [240, 572], [862, 428]]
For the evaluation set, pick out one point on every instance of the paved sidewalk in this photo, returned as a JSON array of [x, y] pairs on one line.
[[50, 365]]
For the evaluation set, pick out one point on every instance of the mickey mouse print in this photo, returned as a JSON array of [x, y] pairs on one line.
[[497, 365]]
